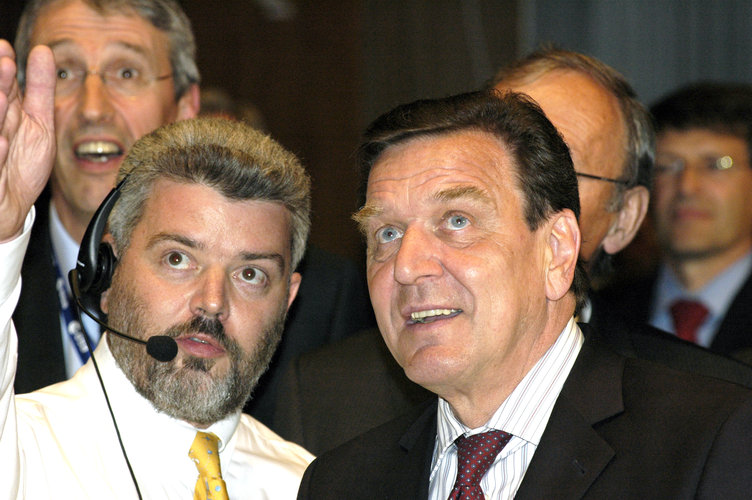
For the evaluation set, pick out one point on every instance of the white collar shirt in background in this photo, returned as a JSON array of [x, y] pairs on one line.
[[717, 296]]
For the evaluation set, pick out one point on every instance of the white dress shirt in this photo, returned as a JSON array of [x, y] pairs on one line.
[[524, 414], [59, 442]]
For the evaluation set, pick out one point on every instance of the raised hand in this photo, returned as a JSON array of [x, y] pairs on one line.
[[27, 135]]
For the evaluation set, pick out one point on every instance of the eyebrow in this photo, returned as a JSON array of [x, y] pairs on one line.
[[473, 193], [366, 212], [191, 243]]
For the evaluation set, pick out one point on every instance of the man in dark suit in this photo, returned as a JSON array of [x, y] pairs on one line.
[[96, 121], [610, 137], [473, 243], [339, 391], [703, 220]]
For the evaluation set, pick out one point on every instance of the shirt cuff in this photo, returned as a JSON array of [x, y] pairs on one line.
[[11, 257]]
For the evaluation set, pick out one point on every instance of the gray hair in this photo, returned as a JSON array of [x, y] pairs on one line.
[[165, 15], [638, 167], [231, 157]]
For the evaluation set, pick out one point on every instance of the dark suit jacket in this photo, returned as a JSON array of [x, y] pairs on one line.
[[332, 302], [341, 390], [344, 389], [621, 428], [640, 340], [634, 301], [37, 315]]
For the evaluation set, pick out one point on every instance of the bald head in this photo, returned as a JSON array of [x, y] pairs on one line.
[[609, 136]]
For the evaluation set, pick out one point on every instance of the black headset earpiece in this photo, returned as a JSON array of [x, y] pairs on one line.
[[96, 260], [93, 275]]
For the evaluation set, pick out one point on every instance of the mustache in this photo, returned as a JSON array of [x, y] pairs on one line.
[[201, 324]]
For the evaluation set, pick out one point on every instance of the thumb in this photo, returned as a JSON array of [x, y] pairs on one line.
[[39, 96]]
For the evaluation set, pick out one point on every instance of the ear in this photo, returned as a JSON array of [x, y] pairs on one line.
[[103, 305], [564, 249], [107, 238], [295, 280], [628, 220], [189, 103]]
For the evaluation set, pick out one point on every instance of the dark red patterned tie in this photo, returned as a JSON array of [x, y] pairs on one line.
[[475, 454], [688, 315]]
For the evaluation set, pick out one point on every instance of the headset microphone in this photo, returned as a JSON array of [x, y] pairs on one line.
[[159, 347], [93, 274]]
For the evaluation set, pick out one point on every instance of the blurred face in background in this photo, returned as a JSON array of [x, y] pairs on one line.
[[114, 85], [703, 195]]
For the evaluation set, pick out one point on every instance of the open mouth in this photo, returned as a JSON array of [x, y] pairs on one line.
[[98, 151], [431, 315], [202, 346]]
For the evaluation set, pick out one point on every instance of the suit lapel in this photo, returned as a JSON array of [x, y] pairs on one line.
[[733, 333], [417, 444], [571, 454]]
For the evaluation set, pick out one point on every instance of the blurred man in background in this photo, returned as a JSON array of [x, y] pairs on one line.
[[703, 220]]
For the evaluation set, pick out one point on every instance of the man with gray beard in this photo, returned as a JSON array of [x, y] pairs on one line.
[[181, 392], [208, 223]]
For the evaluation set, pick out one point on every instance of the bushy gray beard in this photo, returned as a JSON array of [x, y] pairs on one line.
[[185, 389]]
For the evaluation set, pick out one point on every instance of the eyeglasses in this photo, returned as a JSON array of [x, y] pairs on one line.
[[706, 165], [125, 80], [606, 179]]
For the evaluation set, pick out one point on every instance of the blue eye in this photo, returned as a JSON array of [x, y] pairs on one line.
[[458, 222], [388, 234]]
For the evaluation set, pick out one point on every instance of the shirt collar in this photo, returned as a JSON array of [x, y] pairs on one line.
[[716, 295], [138, 419], [526, 410]]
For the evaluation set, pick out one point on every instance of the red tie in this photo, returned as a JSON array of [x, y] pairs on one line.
[[475, 454], [688, 315]]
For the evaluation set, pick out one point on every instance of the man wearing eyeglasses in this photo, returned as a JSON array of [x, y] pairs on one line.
[[703, 220], [609, 136], [119, 76]]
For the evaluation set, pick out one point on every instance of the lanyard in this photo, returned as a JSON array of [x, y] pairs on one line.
[[72, 325]]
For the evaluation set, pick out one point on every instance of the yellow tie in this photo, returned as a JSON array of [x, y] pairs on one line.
[[205, 452]]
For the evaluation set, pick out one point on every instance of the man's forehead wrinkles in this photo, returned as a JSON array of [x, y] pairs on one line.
[[398, 171], [108, 53], [450, 176]]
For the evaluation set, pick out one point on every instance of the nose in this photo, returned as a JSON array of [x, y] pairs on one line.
[[95, 103], [210, 297], [689, 179], [418, 257]]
